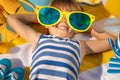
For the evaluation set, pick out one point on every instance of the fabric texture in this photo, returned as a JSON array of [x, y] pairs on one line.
[[55, 58]]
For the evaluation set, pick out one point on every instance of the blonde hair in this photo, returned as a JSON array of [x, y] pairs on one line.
[[69, 5]]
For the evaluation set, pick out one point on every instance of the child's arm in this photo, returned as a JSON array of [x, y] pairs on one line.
[[101, 35], [96, 46], [19, 22]]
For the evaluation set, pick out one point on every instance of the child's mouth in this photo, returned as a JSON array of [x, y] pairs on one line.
[[62, 27]]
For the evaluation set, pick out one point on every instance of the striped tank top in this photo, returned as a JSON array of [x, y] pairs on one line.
[[55, 58]]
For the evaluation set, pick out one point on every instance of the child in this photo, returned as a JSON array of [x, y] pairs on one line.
[[57, 56]]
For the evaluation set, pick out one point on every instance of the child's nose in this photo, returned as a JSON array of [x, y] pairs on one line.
[[63, 18]]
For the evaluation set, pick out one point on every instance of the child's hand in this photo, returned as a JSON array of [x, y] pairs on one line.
[[102, 35], [115, 47]]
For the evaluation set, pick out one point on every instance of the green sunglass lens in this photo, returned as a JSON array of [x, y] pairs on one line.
[[48, 16], [79, 21]]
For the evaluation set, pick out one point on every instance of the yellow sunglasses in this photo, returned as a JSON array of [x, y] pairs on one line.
[[77, 20]]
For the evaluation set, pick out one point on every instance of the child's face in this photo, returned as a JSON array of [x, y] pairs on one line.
[[61, 29]]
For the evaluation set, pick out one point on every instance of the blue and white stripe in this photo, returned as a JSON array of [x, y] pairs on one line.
[[55, 58], [114, 66]]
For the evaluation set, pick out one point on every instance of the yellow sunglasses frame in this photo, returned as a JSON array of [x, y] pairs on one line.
[[67, 14]]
